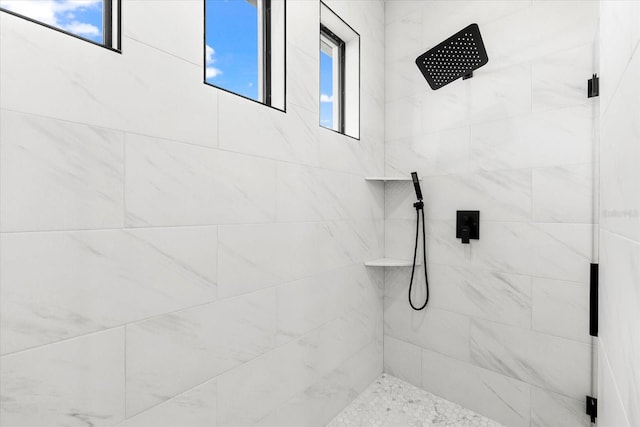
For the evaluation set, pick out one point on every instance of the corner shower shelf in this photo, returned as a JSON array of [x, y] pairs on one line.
[[390, 262], [387, 178]]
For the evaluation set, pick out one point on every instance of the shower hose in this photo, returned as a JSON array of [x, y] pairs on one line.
[[419, 209]]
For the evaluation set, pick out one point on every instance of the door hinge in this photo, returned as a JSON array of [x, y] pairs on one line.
[[593, 86], [592, 408], [593, 300]]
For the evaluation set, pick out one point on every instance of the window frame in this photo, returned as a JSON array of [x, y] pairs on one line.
[[265, 56], [111, 37], [350, 92], [338, 76]]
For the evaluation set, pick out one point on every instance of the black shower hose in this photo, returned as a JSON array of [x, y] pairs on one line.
[[424, 255]]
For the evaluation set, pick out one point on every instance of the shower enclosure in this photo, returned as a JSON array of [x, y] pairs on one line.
[[172, 254]]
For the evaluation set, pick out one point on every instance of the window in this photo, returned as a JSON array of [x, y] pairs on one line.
[[97, 21], [331, 80], [339, 75], [245, 48]]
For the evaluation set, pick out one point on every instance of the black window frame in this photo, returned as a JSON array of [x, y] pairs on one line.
[[266, 55], [340, 102], [108, 20], [266, 52]]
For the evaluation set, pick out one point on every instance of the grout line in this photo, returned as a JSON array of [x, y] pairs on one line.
[[157, 49], [207, 225], [348, 171], [271, 288]]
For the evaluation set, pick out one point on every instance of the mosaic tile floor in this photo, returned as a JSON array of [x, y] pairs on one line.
[[390, 402]]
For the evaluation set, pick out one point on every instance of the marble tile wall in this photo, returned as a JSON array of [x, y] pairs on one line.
[[619, 339], [171, 254], [506, 330]]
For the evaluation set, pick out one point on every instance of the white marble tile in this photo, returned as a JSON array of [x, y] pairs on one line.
[[443, 331], [403, 117], [558, 251], [406, 78], [257, 256], [78, 382], [147, 21], [402, 36], [273, 134], [536, 31], [252, 391], [366, 17], [171, 353], [103, 88], [403, 360], [619, 317], [619, 157], [340, 152], [64, 284], [194, 408], [498, 195], [611, 410], [554, 138], [59, 175], [549, 408], [312, 194], [366, 201], [560, 308], [498, 93], [319, 403], [563, 194], [491, 295], [439, 153], [303, 81], [497, 396], [252, 257], [619, 36], [359, 241], [302, 15], [446, 108], [395, 10], [308, 303], [170, 183], [443, 19], [442, 245], [543, 360], [559, 79]]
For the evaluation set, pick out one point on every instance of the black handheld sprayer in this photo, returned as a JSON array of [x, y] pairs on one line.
[[419, 205]]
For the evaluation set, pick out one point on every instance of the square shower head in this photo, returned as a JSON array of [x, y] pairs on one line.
[[455, 57]]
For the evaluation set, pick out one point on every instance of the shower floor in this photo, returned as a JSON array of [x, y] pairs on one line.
[[391, 402]]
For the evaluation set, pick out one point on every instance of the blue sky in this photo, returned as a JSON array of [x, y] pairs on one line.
[[80, 17], [232, 46], [231, 41], [326, 90], [232, 52]]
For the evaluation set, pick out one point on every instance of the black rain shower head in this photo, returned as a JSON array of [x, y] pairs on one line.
[[416, 185], [455, 57]]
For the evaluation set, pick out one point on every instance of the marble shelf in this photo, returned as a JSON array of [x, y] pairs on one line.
[[390, 262], [387, 178]]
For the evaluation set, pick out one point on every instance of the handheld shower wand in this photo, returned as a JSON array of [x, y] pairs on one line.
[[419, 205]]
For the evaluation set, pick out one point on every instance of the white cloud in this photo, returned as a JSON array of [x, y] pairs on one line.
[[324, 98], [83, 29], [52, 12], [210, 71]]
